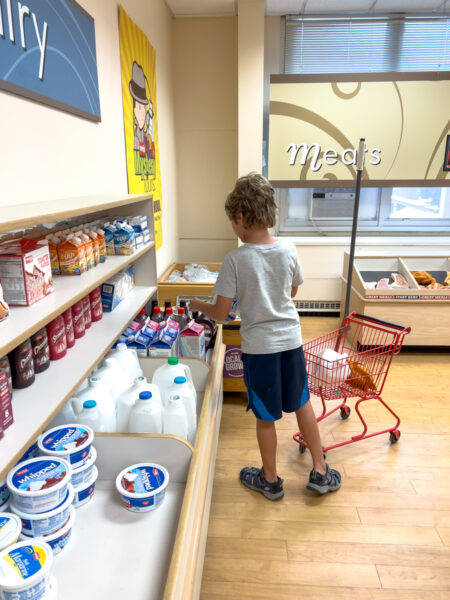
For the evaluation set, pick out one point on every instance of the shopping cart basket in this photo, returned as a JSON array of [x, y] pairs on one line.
[[368, 345]]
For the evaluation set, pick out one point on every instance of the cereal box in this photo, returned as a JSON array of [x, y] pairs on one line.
[[25, 271]]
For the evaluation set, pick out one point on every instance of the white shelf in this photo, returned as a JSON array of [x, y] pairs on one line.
[[35, 406], [18, 216], [117, 554], [25, 320]]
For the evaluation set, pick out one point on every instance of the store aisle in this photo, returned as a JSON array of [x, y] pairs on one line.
[[384, 535]]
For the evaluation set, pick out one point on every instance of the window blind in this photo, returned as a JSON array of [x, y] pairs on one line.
[[363, 45]]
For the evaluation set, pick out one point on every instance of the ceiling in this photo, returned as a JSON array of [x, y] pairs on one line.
[[222, 8]]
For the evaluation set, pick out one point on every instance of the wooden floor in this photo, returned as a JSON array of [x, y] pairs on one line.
[[385, 535]]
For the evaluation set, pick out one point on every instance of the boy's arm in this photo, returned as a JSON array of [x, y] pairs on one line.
[[218, 311], [294, 290]]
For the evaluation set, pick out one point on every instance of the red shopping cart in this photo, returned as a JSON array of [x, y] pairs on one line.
[[367, 346]]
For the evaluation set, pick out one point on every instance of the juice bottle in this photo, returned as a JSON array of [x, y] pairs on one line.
[[157, 316]]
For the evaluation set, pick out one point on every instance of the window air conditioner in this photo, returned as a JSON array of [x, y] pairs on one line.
[[332, 204]]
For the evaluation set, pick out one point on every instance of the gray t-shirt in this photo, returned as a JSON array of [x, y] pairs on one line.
[[261, 277]]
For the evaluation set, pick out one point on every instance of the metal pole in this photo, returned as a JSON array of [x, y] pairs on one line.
[[360, 168]]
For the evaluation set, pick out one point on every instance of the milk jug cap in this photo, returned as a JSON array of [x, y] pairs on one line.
[[173, 360], [180, 380], [93, 381], [140, 380], [121, 346], [145, 395], [174, 399], [89, 404]]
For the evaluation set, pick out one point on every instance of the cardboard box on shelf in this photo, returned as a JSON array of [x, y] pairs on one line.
[[25, 271], [115, 289], [192, 341]]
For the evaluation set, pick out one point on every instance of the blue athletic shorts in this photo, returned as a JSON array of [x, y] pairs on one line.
[[276, 383]]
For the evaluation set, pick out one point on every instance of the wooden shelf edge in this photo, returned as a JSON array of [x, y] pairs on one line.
[[36, 213]]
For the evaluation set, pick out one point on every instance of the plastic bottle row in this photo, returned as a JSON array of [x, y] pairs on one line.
[[119, 398]]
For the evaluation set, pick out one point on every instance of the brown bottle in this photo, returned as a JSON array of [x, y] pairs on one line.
[[22, 366], [209, 326], [41, 351]]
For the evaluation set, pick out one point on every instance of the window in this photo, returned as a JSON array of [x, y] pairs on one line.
[[360, 44]]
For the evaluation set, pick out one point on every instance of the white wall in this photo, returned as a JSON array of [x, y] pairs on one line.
[[46, 153]]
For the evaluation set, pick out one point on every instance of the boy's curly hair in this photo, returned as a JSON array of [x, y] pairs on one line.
[[254, 197]]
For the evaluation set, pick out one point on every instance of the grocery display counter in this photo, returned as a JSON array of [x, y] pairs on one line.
[[171, 291], [425, 310]]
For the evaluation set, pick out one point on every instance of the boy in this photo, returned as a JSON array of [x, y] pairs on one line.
[[264, 275]]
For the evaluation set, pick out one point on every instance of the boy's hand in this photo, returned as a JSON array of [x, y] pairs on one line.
[[195, 305], [218, 311]]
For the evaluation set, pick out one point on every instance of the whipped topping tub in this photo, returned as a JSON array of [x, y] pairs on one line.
[[85, 491], [69, 442], [81, 475], [39, 484], [47, 522], [4, 492], [10, 526], [25, 571], [142, 487], [60, 538]]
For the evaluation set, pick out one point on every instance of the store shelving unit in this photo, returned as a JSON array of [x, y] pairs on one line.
[[156, 555], [34, 407]]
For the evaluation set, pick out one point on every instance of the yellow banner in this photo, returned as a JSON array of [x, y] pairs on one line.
[[315, 127], [137, 62]]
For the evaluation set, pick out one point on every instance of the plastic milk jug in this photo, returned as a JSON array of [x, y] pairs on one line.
[[65, 415], [125, 403], [89, 416], [175, 418], [146, 415], [142, 385], [99, 391], [164, 376], [115, 375], [128, 358], [182, 388]]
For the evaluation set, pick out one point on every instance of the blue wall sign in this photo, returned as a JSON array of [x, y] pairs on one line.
[[47, 53]]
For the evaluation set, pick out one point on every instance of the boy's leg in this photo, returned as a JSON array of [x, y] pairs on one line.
[[307, 424], [267, 442]]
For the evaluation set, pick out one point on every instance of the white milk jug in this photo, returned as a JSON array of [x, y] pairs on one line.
[[182, 388], [99, 391], [128, 358], [142, 385], [125, 403], [65, 415], [164, 376], [146, 415], [175, 418], [115, 375], [90, 416]]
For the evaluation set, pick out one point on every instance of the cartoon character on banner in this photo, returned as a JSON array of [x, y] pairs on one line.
[[144, 145]]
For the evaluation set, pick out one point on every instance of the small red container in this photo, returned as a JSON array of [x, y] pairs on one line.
[[95, 298], [68, 322], [87, 312], [78, 319], [56, 331]]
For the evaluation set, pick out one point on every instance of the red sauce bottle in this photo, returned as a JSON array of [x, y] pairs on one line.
[[22, 367], [95, 298], [68, 322], [41, 350], [56, 331], [78, 319]]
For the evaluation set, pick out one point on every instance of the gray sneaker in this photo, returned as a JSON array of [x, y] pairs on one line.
[[254, 479], [330, 482]]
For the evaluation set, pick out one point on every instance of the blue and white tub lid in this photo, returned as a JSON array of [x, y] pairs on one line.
[[66, 439], [10, 527], [38, 476], [142, 479]]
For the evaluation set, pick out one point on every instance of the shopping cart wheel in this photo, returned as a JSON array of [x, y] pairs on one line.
[[301, 449], [345, 412], [394, 436]]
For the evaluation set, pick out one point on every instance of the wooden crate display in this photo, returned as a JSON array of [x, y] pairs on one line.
[[168, 291], [426, 311]]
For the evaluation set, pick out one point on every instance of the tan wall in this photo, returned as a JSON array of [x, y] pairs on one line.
[[205, 76], [68, 156]]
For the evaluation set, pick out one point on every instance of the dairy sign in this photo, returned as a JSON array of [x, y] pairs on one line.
[[48, 54], [316, 122]]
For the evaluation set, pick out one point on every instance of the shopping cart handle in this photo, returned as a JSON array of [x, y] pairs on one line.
[[381, 322]]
